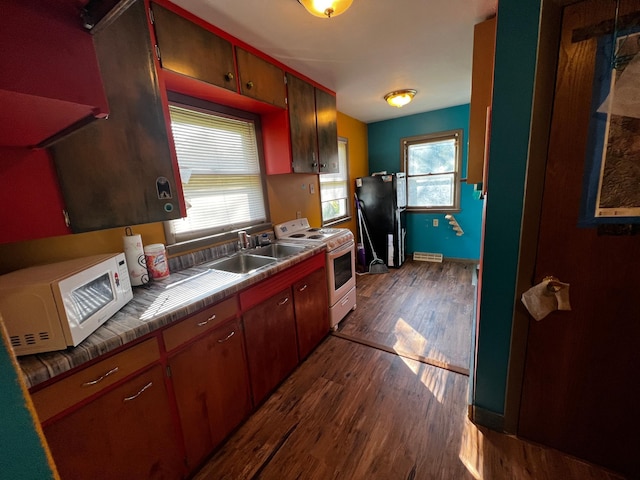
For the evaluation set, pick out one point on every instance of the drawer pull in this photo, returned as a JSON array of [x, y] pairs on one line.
[[133, 397], [98, 380], [202, 324], [249, 85], [303, 288], [283, 301], [228, 77], [222, 340]]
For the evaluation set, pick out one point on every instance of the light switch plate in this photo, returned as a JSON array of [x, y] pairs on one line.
[[312, 188]]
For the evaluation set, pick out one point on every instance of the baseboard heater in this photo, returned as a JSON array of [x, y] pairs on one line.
[[427, 257]]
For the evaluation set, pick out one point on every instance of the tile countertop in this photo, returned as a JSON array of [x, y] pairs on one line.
[[152, 307]]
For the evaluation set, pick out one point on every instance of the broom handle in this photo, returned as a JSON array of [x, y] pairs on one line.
[[366, 231]]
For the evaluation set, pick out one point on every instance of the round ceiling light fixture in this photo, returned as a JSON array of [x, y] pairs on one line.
[[326, 8], [400, 98]]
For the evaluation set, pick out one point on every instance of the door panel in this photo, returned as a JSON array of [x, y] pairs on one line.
[[580, 382]]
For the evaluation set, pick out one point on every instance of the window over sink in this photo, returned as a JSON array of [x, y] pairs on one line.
[[220, 160]]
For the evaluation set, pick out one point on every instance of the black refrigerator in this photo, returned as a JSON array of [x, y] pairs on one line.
[[383, 203]]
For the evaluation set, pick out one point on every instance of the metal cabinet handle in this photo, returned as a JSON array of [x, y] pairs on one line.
[[228, 77], [222, 340], [303, 288], [323, 165], [283, 301], [249, 85], [202, 324], [133, 397], [98, 380]]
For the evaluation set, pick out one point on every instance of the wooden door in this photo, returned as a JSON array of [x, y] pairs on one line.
[[312, 313], [327, 126], [270, 333], [580, 386], [302, 124], [189, 49], [211, 386], [126, 433], [260, 79]]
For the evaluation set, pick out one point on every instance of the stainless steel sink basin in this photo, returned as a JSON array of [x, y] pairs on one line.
[[277, 250], [242, 263]]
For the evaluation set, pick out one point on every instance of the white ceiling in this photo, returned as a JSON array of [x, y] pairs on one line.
[[375, 47]]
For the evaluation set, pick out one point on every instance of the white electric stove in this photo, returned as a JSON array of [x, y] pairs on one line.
[[341, 262]]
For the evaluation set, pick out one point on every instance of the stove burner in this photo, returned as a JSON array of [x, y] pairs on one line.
[[297, 235], [315, 237], [314, 230]]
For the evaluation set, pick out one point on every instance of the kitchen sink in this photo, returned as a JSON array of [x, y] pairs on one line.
[[242, 263], [278, 250]]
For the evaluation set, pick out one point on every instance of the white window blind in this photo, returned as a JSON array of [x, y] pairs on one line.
[[334, 188], [220, 171]]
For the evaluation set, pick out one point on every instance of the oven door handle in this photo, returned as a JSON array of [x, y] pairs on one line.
[[341, 249]]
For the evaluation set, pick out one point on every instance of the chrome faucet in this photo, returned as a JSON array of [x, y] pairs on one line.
[[244, 239]]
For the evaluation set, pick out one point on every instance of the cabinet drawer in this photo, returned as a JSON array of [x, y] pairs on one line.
[[67, 392], [199, 323]]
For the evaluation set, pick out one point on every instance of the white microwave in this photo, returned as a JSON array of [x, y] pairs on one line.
[[55, 306]]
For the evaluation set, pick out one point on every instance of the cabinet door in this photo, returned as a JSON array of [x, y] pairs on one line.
[[126, 433], [312, 312], [327, 125], [260, 79], [211, 386], [189, 49], [119, 171], [270, 333], [302, 124], [484, 38]]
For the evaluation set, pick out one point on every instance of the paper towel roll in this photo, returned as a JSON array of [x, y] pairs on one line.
[[134, 253]]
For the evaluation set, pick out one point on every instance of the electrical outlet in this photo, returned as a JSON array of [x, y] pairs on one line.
[[435, 222], [312, 188], [298, 214]]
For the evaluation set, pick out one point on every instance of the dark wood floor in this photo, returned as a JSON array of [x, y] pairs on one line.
[[423, 310], [355, 412]]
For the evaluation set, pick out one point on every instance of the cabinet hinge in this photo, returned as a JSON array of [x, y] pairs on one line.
[[67, 220], [168, 371], [157, 48], [285, 80], [151, 17]]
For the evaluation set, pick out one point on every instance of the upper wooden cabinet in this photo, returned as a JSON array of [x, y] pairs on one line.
[[484, 39], [191, 50], [120, 171], [313, 128], [260, 79], [50, 81]]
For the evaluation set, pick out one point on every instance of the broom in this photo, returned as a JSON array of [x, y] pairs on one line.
[[361, 256], [376, 265]]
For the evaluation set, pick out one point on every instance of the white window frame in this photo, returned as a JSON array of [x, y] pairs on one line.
[[406, 143], [330, 182], [179, 241]]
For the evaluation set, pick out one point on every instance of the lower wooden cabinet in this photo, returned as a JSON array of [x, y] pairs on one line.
[[125, 433], [312, 316], [270, 333], [211, 386]]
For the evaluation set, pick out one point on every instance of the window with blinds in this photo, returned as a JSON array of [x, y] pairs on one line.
[[220, 171], [334, 188]]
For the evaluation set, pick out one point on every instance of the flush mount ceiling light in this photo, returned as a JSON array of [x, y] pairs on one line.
[[400, 98], [325, 8]]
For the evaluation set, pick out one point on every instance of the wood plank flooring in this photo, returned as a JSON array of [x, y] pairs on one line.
[[354, 412], [423, 310]]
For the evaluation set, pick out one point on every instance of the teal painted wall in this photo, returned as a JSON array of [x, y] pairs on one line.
[[516, 47], [385, 154], [21, 454]]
